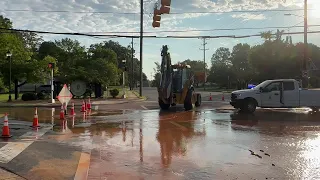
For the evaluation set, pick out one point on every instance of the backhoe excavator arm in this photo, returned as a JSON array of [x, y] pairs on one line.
[[165, 88]]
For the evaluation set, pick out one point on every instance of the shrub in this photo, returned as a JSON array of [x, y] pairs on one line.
[[114, 92], [29, 96], [40, 96]]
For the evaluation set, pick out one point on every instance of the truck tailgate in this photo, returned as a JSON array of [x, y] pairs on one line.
[[310, 98]]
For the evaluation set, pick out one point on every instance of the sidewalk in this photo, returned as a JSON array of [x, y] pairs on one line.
[[131, 97], [8, 175]]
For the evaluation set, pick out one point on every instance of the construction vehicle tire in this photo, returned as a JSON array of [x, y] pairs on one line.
[[163, 106], [198, 102], [188, 100]]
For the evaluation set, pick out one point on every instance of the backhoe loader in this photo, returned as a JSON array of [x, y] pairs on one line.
[[176, 84]]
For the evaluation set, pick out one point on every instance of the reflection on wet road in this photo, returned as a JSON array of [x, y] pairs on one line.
[[202, 144]]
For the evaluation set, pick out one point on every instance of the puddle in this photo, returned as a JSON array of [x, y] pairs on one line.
[[111, 112]]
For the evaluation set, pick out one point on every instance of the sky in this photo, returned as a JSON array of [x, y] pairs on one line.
[[188, 16]]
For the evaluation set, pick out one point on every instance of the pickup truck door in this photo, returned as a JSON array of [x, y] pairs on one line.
[[270, 95], [290, 94]]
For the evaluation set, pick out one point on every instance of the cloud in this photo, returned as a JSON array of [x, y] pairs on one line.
[[249, 16], [114, 22]]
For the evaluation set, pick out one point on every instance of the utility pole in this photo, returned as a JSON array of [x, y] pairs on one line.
[[305, 74], [141, 46], [204, 61], [132, 73]]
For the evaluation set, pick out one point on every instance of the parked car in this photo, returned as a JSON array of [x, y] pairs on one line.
[[279, 93]]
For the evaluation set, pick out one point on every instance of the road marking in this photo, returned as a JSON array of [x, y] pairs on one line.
[[13, 149], [83, 166], [180, 126], [84, 161], [144, 107]]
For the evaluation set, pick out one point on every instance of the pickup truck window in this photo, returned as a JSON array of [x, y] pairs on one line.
[[288, 86], [274, 86]]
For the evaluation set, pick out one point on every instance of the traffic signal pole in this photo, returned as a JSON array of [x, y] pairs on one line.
[[52, 87], [141, 46], [305, 73]]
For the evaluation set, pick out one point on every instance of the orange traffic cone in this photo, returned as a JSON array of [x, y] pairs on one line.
[[89, 104], [83, 108], [35, 119], [222, 97], [62, 113], [72, 110], [210, 98], [5, 129]]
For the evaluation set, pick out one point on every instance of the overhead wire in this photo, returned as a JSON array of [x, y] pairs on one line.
[[208, 30], [190, 12], [128, 36]]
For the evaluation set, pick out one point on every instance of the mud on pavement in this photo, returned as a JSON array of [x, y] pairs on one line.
[[152, 144]]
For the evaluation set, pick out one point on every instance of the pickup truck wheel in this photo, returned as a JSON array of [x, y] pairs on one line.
[[249, 106]]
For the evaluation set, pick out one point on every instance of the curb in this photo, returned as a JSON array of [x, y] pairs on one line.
[[52, 105], [143, 98]]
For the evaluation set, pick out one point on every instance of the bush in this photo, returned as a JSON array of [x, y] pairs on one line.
[[41, 96], [29, 96], [114, 92]]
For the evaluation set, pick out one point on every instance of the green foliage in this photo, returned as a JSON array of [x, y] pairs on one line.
[[42, 96], [29, 96], [114, 92], [273, 59]]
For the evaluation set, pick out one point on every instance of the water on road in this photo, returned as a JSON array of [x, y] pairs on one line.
[[200, 144]]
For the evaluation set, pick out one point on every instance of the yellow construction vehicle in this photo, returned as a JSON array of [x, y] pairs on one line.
[[176, 84]]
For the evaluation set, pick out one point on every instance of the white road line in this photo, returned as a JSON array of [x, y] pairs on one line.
[[144, 107], [83, 166], [13, 149], [84, 160]]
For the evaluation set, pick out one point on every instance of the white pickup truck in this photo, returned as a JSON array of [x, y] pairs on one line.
[[278, 93]]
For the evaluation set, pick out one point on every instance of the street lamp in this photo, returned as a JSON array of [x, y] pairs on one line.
[[9, 55], [123, 82]]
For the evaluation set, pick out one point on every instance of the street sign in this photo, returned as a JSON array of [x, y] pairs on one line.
[[78, 88], [65, 95]]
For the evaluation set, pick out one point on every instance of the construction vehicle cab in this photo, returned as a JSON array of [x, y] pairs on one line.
[[176, 84]]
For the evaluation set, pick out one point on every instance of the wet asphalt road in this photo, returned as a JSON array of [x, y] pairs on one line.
[[216, 143]]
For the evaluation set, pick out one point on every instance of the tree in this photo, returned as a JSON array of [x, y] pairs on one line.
[[21, 60], [198, 68], [221, 56], [267, 36], [240, 64], [221, 67], [157, 75]]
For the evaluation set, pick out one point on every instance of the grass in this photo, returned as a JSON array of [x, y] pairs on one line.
[[5, 97]]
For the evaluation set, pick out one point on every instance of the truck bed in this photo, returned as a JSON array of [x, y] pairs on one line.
[[310, 97]]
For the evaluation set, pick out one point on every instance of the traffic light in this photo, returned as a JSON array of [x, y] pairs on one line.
[[156, 18], [165, 6], [124, 65], [51, 65]]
